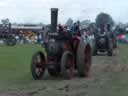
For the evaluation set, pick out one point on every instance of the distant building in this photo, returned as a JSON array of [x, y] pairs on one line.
[[27, 27]]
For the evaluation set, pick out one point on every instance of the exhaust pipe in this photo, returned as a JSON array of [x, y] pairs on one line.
[[54, 19]]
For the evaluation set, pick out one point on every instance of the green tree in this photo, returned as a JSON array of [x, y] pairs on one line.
[[104, 18], [5, 21]]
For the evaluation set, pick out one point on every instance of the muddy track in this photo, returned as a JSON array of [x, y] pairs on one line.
[[96, 85]]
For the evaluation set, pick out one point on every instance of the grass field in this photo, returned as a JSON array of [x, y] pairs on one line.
[[15, 62], [108, 75]]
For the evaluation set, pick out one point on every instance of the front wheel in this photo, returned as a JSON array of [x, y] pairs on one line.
[[38, 65]]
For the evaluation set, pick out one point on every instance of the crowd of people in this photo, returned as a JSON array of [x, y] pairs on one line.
[[29, 38], [36, 37]]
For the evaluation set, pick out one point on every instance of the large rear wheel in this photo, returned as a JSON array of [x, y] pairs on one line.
[[38, 65], [84, 57], [110, 49], [67, 65]]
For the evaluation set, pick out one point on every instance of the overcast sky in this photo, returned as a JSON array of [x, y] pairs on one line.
[[39, 10]]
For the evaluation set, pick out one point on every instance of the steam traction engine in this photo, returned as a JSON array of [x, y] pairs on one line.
[[66, 53]]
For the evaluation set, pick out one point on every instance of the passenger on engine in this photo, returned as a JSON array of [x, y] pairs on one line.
[[60, 28], [77, 28]]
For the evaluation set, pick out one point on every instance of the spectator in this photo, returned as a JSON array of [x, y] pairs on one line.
[[17, 38], [36, 38], [40, 38], [73, 28]]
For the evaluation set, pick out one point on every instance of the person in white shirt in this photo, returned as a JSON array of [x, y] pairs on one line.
[[17, 38], [36, 38]]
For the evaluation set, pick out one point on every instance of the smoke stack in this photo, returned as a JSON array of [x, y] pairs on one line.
[[54, 19]]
